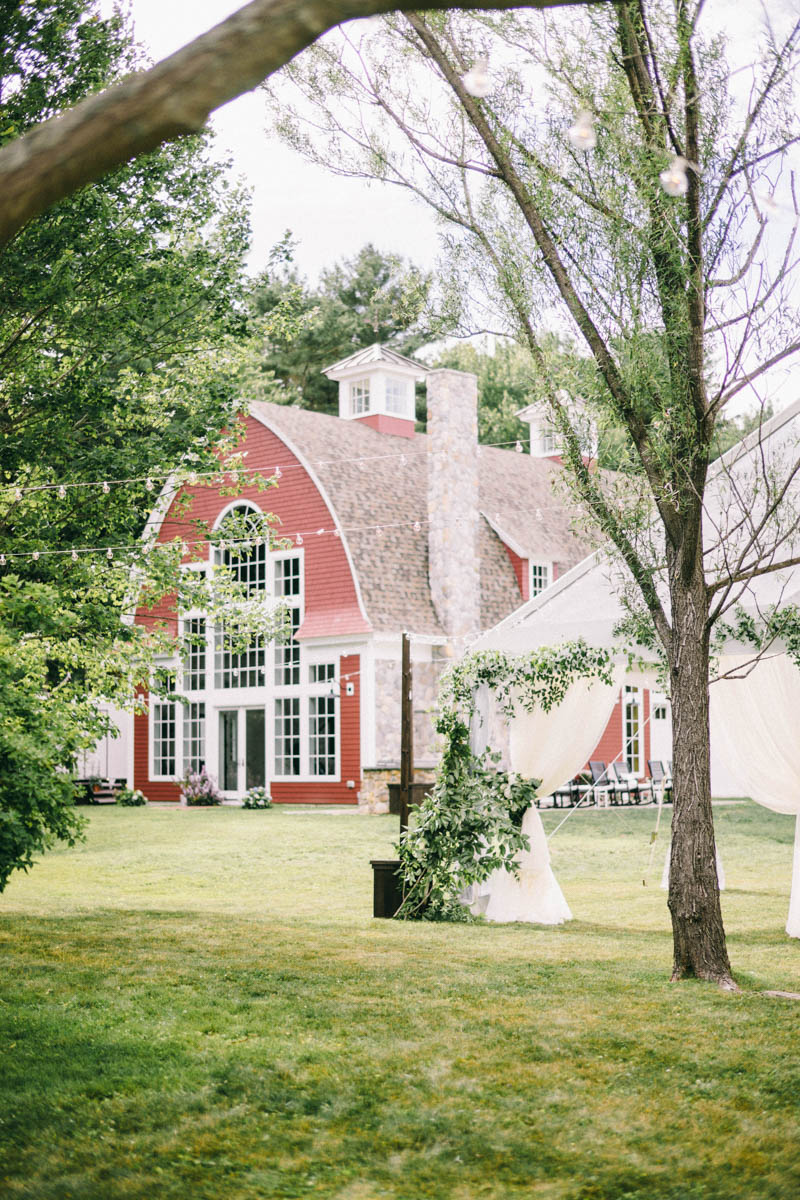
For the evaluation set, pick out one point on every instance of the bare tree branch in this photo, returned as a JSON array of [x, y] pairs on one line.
[[174, 98]]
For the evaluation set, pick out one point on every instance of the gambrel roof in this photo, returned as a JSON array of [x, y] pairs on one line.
[[374, 479]]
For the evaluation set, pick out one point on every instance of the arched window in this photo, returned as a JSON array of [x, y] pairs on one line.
[[243, 547]]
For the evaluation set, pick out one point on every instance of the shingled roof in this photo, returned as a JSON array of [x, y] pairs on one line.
[[375, 479]]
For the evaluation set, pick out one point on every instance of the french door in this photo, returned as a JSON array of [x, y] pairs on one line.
[[242, 750]]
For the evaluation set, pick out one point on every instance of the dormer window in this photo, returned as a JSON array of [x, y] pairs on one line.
[[359, 397]]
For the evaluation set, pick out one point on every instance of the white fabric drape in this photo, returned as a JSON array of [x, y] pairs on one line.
[[754, 722], [551, 746]]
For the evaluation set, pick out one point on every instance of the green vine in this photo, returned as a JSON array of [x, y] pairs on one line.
[[469, 825]]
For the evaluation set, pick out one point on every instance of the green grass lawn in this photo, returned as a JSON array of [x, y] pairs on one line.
[[199, 1004]]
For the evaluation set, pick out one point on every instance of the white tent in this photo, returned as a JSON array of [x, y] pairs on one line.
[[754, 718]]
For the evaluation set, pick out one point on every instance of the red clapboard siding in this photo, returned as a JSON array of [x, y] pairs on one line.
[[319, 791], [157, 792], [609, 747], [331, 601]]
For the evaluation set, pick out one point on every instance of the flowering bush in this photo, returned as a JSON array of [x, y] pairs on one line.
[[131, 797], [257, 797], [198, 788]]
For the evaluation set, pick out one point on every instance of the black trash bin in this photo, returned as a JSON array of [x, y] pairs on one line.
[[387, 886], [418, 793]]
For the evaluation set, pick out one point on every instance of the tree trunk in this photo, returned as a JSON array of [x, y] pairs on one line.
[[698, 933]]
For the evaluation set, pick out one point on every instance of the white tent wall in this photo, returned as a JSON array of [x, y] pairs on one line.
[[754, 742]]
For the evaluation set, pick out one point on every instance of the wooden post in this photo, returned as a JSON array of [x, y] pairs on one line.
[[406, 734]]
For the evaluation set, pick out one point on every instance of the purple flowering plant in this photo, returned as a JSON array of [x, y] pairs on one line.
[[198, 788]]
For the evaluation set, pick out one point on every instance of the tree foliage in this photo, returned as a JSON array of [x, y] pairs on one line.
[[373, 297], [121, 319]]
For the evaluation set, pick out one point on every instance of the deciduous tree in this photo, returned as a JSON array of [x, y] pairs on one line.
[[609, 169]]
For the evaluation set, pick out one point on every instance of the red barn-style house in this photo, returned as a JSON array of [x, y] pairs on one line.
[[389, 530]]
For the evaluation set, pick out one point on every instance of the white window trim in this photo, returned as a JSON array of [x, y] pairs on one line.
[[547, 567], [169, 665]]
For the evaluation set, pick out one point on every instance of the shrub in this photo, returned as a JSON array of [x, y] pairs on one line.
[[131, 797], [198, 788], [257, 797]]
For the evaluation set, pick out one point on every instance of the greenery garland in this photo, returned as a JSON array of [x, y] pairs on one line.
[[470, 824]]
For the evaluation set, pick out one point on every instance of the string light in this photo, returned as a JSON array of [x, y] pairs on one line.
[[768, 205], [2, 560], [148, 483], [35, 556], [299, 539], [520, 449], [62, 492], [477, 81], [193, 477], [109, 554], [74, 555], [674, 180], [416, 527], [582, 134]]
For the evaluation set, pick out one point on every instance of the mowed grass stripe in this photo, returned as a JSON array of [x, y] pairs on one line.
[[200, 1004]]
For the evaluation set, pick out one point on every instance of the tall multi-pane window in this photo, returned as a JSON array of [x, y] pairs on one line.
[[238, 670], [287, 588], [287, 735], [540, 578], [633, 729], [359, 397], [194, 656], [164, 738], [322, 735], [194, 737], [247, 559], [397, 395]]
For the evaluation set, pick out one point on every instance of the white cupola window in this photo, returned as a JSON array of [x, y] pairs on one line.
[[359, 397], [376, 386], [398, 395]]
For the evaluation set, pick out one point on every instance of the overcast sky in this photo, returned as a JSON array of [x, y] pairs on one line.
[[331, 217]]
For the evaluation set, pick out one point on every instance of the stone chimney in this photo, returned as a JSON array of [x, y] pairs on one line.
[[454, 566]]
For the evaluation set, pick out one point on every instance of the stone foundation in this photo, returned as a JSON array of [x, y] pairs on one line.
[[374, 795]]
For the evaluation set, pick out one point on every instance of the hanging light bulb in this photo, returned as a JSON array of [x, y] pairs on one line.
[[18, 493], [278, 472], [336, 533], [2, 560], [109, 554], [192, 477], [35, 556], [402, 460], [62, 492], [582, 134], [539, 514], [477, 81], [519, 448], [320, 532], [148, 483], [674, 180], [106, 488], [74, 556], [379, 530], [299, 539], [417, 527], [768, 205]]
